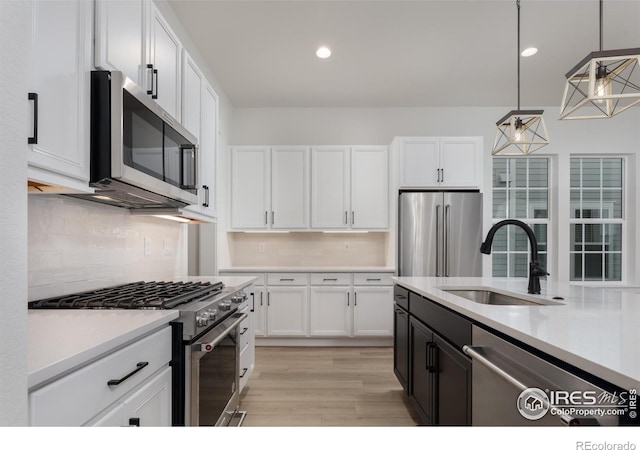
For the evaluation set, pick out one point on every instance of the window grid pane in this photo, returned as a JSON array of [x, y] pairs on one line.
[[596, 226], [521, 191]]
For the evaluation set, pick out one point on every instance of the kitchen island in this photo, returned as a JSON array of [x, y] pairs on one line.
[[592, 329]]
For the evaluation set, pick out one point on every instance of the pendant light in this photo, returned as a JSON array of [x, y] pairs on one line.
[[603, 84], [520, 132]]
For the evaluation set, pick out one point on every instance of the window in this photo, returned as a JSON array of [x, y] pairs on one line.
[[520, 191], [596, 219]]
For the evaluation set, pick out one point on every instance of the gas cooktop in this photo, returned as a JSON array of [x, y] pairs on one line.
[[138, 295]]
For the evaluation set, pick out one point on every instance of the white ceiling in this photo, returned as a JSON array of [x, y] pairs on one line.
[[399, 53]]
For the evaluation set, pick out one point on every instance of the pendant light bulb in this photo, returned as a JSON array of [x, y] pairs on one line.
[[518, 132], [602, 84]]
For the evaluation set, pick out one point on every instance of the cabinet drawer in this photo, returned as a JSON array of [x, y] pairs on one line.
[[372, 279], [455, 327], [260, 276], [401, 296], [244, 330], [287, 279], [75, 398], [331, 279]]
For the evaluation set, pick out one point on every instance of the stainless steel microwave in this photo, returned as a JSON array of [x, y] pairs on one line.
[[141, 157]]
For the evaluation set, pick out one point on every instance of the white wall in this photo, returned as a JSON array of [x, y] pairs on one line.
[[14, 41], [205, 234], [76, 245], [619, 135]]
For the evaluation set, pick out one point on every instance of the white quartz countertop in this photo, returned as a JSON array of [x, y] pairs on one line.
[[60, 341], [594, 329], [309, 269]]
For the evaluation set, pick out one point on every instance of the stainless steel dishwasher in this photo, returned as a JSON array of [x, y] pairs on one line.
[[512, 386]]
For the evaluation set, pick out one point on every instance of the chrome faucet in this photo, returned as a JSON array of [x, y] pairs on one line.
[[535, 271]]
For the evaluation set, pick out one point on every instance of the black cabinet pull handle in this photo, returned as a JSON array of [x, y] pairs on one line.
[[253, 302], [260, 298], [155, 96], [244, 330], [134, 422], [34, 139], [150, 91], [244, 372], [355, 299], [374, 279], [329, 279], [206, 196], [432, 364], [139, 367], [347, 298], [286, 279]]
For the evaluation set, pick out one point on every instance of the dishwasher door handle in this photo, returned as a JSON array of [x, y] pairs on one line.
[[473, 353]]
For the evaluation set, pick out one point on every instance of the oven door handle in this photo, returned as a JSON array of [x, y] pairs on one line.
[[208, 346]]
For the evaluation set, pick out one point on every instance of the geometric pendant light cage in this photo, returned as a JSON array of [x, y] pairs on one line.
[[603, 84], [520, 132]]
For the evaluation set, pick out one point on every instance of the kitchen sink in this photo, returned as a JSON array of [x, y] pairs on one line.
[[489, 297]]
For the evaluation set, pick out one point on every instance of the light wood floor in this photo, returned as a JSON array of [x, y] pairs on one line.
[[325, 386]]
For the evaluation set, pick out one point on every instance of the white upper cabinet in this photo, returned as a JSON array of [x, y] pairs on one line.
[[289, 187], [350, 187], [164, 57], [320, 188], [59, 79], [200, 117], [120, 42], [330, 187], [269, 187], [250, 187], [134, 38], [370, 187], [440, 162]]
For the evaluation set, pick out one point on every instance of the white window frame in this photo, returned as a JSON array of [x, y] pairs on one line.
[[529, 221], [624, 257]]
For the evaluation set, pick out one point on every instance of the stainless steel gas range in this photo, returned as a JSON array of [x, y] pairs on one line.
[[205, 360]]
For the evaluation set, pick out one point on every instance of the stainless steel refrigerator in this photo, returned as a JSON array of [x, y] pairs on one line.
[[440, 234]]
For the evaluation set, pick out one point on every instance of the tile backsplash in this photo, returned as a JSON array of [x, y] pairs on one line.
[[308, 249], [76, 245]]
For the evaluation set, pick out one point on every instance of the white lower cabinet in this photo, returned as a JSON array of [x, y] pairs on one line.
[[131, 386], [287, 311], [372, 311], [322, 305], [148, 406], [330, 313]]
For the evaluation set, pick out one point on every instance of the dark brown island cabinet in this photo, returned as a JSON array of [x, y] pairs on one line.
[[428, 358]]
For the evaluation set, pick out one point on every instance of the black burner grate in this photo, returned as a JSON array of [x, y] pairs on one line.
[[139, 295]]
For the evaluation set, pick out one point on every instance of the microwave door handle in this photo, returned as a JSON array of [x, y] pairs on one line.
[[182, 166]]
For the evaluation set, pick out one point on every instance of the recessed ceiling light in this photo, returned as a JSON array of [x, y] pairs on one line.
[[529, 51], [323, 52]]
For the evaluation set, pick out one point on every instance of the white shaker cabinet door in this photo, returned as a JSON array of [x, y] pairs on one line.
[[250, 188], [150, 405], [369, 187], [330, 187], [373, 311], [120, 38], [460, 162], [287, 311], [419, 162], [330, 311], [59, 78], [164, 55], [289, 187]]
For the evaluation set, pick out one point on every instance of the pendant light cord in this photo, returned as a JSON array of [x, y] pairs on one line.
[[518, 5], [600, 25]]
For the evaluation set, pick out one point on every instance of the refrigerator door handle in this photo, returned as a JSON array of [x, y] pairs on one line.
[[438, 243], [447, 237]]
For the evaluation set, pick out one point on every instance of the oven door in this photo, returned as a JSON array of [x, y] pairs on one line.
[[214, 396]]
